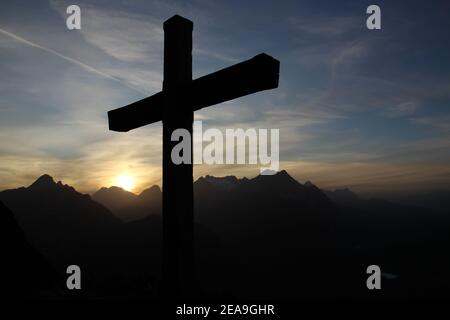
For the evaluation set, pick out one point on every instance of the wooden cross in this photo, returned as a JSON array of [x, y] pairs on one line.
[[175, 106]]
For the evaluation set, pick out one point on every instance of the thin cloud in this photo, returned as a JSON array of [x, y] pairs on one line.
[[64, 57]]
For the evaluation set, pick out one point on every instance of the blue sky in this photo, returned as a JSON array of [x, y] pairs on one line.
[[356, 108]]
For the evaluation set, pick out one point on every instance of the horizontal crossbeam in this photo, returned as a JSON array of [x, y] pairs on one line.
[[253, 75]]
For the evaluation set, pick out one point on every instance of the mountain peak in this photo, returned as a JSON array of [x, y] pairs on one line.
[[227, 182], [150, 192], [113, 189], [113, 192], [278, 176], [344, 195], [345, 191], [43, 182], [309, 184]]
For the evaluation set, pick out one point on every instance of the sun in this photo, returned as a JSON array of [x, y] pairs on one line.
[[125, 182]]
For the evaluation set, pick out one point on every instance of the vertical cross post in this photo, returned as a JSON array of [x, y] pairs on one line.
[[178, 206], [175, 106]]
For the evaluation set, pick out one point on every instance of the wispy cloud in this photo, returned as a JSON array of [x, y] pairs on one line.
[[403, 109], [64, 57], [325, 26], [439, 122]]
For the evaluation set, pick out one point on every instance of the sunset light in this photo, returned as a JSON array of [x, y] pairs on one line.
[[125, 182]]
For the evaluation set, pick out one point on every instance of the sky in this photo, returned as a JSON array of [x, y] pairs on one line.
[[358, 108]]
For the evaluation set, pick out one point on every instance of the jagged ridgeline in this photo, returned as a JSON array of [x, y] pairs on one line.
[[265, 237]]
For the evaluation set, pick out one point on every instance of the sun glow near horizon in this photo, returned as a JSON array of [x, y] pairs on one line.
[[125, 182]]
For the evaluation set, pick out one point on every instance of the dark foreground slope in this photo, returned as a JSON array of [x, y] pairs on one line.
[[25, 273]]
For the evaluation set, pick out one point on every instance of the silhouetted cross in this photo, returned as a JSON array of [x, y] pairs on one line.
[[175, 106]]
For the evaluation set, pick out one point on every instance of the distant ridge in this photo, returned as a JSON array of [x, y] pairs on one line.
[[129, 206], [114, 198], [257, 238]]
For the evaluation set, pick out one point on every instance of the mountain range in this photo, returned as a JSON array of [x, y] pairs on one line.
[[265, 237], [128, 206]]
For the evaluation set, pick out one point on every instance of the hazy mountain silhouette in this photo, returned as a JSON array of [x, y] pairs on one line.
[[343, 196], [270, 224], [66, 227], [265, 237], [128, 206], [114, 198], [256, 219], [287, 239], [117, 259]]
